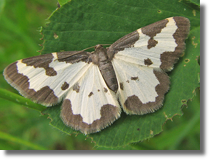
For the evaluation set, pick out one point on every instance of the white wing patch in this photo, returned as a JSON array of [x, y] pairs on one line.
[[135, 80], [140, 52], [91, 96]]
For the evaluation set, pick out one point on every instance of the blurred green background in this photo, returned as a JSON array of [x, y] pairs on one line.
[[22, 128]]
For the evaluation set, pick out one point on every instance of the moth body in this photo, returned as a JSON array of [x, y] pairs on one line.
[[101, 59]]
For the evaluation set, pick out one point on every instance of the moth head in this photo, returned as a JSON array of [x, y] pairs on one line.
[[98, 46]]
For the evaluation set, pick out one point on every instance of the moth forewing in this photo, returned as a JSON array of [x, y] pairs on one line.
[[42, 78]]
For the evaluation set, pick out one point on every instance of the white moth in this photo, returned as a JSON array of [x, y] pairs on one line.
[[94, 86]]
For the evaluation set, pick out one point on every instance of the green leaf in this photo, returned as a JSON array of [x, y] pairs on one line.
[[62, 2], [197, 2], [187, 127], [14, 139], [2, 4], [20, 100], [81, 24]]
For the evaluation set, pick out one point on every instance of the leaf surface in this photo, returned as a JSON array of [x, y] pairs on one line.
[[80, 24]]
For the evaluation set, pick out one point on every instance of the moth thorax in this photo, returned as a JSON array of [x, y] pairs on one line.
[[94, 58], [99, 55]]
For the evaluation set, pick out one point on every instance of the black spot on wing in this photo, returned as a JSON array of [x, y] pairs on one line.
[[76, 87], [105, 90], [151, 43], [65, 86], [121, 86], [134, 78], [148, 62], [90, 94]]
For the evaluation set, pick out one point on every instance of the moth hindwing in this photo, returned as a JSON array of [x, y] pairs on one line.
[[93, 87]]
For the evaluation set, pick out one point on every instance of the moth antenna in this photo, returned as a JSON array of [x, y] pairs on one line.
[[82, 51], [106, 44], [94, 46], [89, 48]]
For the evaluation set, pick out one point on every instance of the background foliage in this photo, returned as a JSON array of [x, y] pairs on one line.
[[23, 128]]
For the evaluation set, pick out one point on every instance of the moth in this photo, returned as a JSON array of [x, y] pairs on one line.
[[94, 87]]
